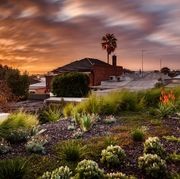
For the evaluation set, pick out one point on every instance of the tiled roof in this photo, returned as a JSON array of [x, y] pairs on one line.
[[85, 64]]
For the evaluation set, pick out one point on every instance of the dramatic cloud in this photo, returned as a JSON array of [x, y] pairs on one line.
[[39, 35]]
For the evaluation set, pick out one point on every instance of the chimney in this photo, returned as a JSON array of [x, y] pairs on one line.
[[114, 60]]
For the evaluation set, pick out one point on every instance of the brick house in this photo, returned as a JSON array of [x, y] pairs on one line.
[[97, 70]]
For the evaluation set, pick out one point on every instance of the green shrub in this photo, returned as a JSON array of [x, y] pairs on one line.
[[172, 138], [17, 135], [17, 127], [58, 173], [138, 134], [86, 121], [88, 169], [36, 144], [129, 101], [13, 168], [50, 113], [4, 146], [68, 110], [109, 140], [71, 85], [174, 157], [153, 146], [113, 155], [151, 97], [118, 175], [72, 151], [152, 165], [20, 119]]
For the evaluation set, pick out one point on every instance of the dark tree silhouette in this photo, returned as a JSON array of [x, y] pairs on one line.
[[109, 44], [165, 70]]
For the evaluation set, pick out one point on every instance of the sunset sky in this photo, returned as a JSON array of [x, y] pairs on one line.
[[40, 35]]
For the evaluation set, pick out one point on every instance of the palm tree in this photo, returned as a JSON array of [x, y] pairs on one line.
[[109, 44]]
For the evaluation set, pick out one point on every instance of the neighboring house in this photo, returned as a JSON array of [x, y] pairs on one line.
[[38, 88], [97, 70]]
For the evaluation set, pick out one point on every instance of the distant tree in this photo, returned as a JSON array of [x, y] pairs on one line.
[[17, 82], [109, 44], [5, 96], [71, 85], [165, 70]]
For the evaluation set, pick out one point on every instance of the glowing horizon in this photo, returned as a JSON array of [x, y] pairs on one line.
[[38, 36]]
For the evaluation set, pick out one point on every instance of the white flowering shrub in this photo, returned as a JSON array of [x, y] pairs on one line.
[[109, 119], [113, 155], [152, 165], [58, 173], [88, 169], [153, 146], [118, 175]]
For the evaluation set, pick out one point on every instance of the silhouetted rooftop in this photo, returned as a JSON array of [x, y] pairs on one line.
[[86, 64]]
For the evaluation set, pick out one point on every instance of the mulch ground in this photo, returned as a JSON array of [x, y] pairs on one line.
[[58, 132]]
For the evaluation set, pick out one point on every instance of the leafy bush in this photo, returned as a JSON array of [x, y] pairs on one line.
[[50, 113], [113, 155], [153, 146], [4, 146], [72, 151], [152, 165], [13, 168], [88, 169], [68, 110], [138, 134], [58, 173], [17, 82], [118, 175], [71, 85], [36, 144], [109, 119]]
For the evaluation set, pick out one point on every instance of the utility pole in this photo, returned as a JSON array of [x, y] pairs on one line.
[[160, 63], [142, 63]]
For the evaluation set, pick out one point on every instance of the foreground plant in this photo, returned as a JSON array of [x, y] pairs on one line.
[[86, 121], [152, 165], [88, 169], [167, 103], [51, 113], [4, 146], [13, 168], [153, 146], [72, 151], [138, 134], [17, 127], [113, 155], [118, 175], [36, 144], [58, 173]]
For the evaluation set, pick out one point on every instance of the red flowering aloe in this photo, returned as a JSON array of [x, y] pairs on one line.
[[167, 103]]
